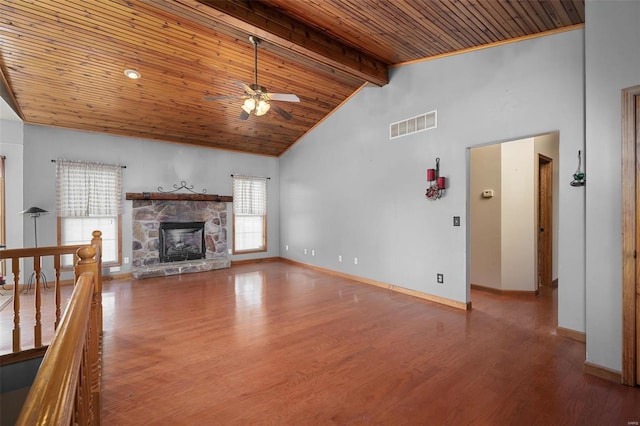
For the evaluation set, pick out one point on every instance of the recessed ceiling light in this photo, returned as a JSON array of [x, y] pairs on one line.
[[132, 74]]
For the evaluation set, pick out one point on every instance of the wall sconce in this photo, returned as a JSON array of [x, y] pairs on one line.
[[437, 183], [579, 176]]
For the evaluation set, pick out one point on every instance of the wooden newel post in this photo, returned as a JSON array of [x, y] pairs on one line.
[[88, 262], [96, 243]]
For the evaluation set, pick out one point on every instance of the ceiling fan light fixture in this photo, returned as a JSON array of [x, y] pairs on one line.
[[249, 105], [256, 97], [262, 108]]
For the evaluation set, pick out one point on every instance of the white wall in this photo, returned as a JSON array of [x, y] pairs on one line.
[[149, 165], [485, 220], [612, 34], [346, 189], [518, 237]]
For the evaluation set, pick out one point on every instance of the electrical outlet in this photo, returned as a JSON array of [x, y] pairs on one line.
[[230, 251], [456, 221], [355, 260], [286, 247], [313, 252], [340, 258], [126, 260], [305, 251], [440, 278]]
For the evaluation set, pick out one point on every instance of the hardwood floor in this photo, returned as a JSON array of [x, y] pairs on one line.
[[279, 344]]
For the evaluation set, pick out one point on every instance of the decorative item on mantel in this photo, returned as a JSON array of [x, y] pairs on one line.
[[579, 178], [183, 185], [437, 183]]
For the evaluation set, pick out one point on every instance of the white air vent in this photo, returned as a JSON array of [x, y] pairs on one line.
[[420, 123]]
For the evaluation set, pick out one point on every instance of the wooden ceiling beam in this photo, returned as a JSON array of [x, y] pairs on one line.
[[7, 94], [255, 18]]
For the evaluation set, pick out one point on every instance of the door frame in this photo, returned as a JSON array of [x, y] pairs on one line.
[[545, 209], [630, 238]]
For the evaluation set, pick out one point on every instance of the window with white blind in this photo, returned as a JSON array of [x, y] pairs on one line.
[[249, 214], [89, 198]]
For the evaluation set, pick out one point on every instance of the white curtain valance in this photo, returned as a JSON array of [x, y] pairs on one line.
[[249, 195], [88, 189]]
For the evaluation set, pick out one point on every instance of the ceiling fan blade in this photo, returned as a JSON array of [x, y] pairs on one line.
[[221, 97], [244, 115], [246, 88], [282, 112], [285, 97]]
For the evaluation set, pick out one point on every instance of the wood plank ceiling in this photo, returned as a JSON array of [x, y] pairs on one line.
[[63, 61]]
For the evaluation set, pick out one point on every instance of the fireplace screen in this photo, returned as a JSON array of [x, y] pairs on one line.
[[181, 241]]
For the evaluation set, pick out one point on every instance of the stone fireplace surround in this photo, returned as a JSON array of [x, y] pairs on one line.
[[146, 218]]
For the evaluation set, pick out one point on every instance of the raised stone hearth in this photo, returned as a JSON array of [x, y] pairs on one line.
[[146, 218], [184, 267]]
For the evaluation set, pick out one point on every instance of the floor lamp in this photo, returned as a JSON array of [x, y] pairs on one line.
[[35, 213]]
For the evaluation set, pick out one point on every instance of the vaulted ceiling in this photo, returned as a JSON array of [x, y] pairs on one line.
[[62, 62]]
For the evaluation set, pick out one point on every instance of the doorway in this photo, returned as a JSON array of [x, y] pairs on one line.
[[512, 240], [630, 236], [545, 222]]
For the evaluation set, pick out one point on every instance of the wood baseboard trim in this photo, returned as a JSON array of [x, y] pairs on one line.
[[602, 372], [486, 289], [251, 261], [501, 292], [578, 336], [432, 298]]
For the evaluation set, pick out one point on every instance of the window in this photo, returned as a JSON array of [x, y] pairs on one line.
[[89, 198], [249, 214]]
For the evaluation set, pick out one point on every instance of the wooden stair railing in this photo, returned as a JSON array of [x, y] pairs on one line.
[[67, 388], [14, 256]]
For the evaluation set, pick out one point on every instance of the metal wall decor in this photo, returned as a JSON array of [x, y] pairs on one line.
[[183, 185], [579, 178]]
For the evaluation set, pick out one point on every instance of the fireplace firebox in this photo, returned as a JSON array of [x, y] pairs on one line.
[[180, 241]]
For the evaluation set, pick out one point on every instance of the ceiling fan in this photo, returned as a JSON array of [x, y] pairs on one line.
[[257, 100]]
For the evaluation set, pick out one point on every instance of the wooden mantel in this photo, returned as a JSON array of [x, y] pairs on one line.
[[178, 197]]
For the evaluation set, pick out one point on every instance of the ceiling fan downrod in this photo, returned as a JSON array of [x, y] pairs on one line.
[[255, 41]]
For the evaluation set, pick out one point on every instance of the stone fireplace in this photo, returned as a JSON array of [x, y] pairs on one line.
[[194, 233]]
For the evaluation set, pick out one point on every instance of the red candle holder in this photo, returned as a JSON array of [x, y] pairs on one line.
[[437, 183]]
